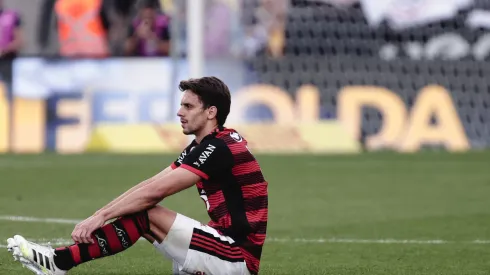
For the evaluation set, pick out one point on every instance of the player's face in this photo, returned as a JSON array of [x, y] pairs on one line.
[[193, 116]]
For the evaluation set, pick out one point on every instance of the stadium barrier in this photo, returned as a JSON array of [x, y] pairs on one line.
[[85, 110]]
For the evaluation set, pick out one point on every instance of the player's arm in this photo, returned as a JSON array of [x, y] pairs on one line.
[[151, 194], [207, 159], [167, 170], [136, 187]]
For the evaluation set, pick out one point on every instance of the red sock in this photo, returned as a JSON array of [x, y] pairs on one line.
[[110, 239]]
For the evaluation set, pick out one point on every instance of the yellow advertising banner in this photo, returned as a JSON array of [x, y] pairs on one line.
[[403, 129], [296, 128], [321, 137]]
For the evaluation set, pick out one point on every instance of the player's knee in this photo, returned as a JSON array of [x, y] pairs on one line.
[[161, 218], [161, 212]]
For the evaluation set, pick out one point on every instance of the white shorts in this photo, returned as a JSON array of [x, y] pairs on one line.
[[196, 248]]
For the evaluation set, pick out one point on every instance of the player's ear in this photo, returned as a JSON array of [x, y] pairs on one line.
[[212, 112]]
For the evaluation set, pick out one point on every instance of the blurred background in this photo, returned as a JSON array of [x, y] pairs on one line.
[[375, 115], [369, 75]]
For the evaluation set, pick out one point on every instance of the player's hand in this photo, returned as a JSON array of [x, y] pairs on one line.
[[83, 231]]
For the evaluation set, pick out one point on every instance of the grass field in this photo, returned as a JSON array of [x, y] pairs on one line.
[[380, 214]]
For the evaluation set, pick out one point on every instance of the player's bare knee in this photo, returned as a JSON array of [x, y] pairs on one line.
[[159, 212], [161, 219]]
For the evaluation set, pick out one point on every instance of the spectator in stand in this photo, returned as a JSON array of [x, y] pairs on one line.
[[82, 27], [217, 31], [11, 39], [266, 33], [149, 35]]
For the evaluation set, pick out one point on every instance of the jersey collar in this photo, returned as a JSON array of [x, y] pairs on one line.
[[213, 134]]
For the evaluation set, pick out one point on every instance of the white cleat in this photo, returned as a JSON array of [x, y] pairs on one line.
[[37, 258]]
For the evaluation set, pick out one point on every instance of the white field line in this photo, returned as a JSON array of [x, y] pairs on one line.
[[39, 220], [28, 164], [61, 241], [53, 242]]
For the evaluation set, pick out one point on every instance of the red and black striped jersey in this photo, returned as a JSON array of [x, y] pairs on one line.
[[233, 188]]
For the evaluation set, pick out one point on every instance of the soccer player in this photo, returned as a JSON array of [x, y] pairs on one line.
[[228, 179]]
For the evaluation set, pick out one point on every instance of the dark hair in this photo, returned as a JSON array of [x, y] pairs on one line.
[[212, 92]]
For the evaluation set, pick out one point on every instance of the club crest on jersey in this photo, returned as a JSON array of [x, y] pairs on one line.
[[236, 137], [204, 155]]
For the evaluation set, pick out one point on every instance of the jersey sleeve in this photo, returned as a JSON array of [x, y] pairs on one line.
[[209, 158], [182, 155]]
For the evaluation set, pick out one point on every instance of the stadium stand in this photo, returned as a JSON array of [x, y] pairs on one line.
[[332, 47]]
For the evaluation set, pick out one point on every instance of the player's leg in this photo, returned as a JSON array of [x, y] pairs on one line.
[[110, 239], [161, 221], [193, 247], [170, 233]]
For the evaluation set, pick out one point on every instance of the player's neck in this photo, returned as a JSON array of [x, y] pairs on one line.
[[205, 131]]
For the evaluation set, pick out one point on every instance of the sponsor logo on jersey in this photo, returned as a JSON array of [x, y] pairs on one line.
[[204, 155], [182, 156], [204, 197]]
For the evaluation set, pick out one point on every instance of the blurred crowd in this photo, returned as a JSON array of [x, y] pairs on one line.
[[102, 28], [232, 28]]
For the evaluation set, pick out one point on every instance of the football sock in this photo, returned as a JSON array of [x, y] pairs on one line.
[[110, 239]]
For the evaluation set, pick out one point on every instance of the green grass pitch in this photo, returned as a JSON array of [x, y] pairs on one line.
[[382, 214]]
